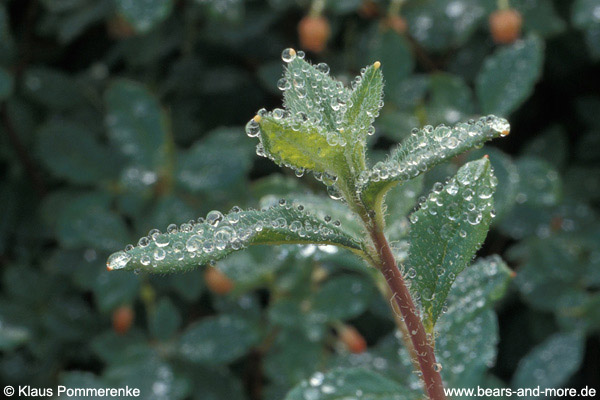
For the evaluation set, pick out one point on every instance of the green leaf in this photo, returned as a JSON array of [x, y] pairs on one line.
[[324, 124], [165, 320], [468, 332], [394, 53], [447, 230], [477, 288], [365, 102], [136, 124], [72, 152], [200, 169], [292, 358], [146, 15], [12, 336], [423, 150], [343, 297], [83, 380], [584, 13], [540, 183], [299, 144], [6, 84], [341, 384], [88, 221], [451, 100], [201, 243], [442, 24], [466, 350], [112, 291], [53, 89], [551, 363], [218, 340], [508, 76], [540, 17], [143, 369], [551, 145]]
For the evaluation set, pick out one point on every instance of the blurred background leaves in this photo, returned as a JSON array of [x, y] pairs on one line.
[[120, 116]]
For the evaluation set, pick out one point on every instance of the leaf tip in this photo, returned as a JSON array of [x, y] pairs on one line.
[[486, 156], [257, 118], [376, 65]]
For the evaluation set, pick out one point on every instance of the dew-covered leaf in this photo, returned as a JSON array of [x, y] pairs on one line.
[[191, 245], [365, 101], [218, 340], [508, 76], [446, 231], [72, 152], [322, 207], [551, 363], [467, 334], [136, 123], [302, 145], [144, 15], [477, 288], [350, 383], [424, 149]]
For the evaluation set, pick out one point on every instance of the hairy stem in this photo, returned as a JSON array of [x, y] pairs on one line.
[[423, 348]]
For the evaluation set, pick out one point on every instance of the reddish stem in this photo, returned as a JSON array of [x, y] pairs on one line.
[[423, 348]]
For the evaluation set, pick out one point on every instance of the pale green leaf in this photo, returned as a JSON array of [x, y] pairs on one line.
[[423, 150], [447, 230], [299, 144], [365, 101], [508, 76], [340, 384], [206, 242]]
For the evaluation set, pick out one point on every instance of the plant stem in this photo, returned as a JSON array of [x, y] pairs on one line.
[[416, 331]]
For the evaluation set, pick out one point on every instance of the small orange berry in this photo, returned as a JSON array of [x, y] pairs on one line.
[[368, 9], [505, 25], [313, 33], [352, 338], [119, 28], [397, 23], [217, 282], [122, 319]]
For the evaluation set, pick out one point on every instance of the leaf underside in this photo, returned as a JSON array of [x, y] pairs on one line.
[[195, 244]]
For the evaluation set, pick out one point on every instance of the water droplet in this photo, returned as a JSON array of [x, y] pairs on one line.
[[118, 260], [288, 55], [214, 217]]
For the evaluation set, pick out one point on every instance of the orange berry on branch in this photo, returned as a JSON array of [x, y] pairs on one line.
[[122, 319], [217, 282], [505, 25], [313, 33], [352, 338], [368, 9]]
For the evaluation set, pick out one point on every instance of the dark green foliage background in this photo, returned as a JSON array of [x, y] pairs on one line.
[[117, 119]]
